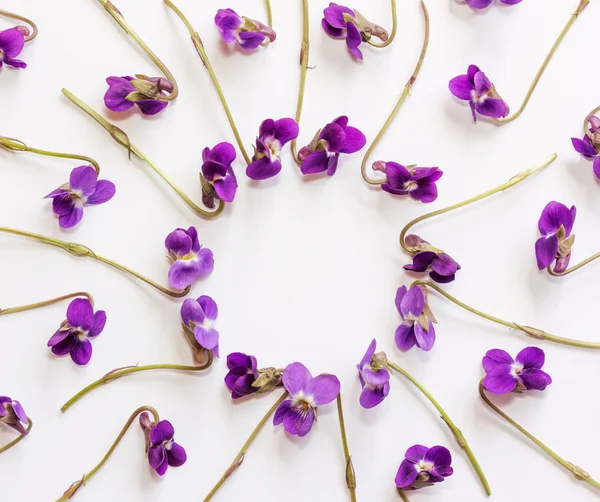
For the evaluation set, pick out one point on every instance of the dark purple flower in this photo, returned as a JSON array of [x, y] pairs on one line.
[[504, 374], [12, 42], [242, 374], [217, 170], [248, 33], [272, 135], [482, 4], [124, 92], [298, 413], [13, 415], [161, 447], [424, 466], [374, 377], [418, 182], [590, 148], [189, 260], [199, 316], [83, 189], [555, 225], [324, 150], [442, 267], [481, 94], [73, 335], [417, 320]]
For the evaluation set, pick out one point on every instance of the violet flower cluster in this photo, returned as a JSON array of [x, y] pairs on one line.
[[13, 415], [189, 260], [589, 146], [12, 42], [125, 92], [418, 182], [505, 374], [161, 448], [483, 4], [247, 33], [417, 320], [423, 466], [199, 316], [374, 377], [441, 266], [554, 246]]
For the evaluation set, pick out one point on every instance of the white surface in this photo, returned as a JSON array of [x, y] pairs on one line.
[[306, 269]]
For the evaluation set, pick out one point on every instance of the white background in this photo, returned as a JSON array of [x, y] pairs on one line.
[[306, 269]]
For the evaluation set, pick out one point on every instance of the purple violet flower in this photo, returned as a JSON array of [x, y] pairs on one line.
[[374, 377], [423, 467], [417, 320], [217, 170], [13, 415], [83, 189], [124, 92], [442, 267], [555, 225], [590, 148], [323, 152], [272, 136], [481, 94], [12, 42], [199, 316], [504, 374], [161, 447], [298, 413], [189, 260], [248, 33], [242, 374], [482, 4], [73, 335], [418, 182]]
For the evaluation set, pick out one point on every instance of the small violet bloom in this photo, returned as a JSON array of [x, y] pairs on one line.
[[199, 316], [248, 33], [189, 260], [374, 377], [298, 413], [83, 189], [423, 467], [590, 147], [482, 4], [555, 225], [124, 92], [343, 23], [12, 42], [13, 415], [242, 374], [217, 170], [442, 267], [417, 320], [323, 152], [418, 182], [272, 136], [504, 374], [161, 447], [73, 335], [481, 94]]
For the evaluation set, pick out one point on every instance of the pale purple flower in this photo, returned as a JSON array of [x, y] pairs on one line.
[[374, 377], [74, 333], [442, 267], [189, 260], [272, 136], [248, 33], [13, 415], [418, 182], [590, 148], [423, 467], [555, 225], [481, 94], [161, 447], [12, 42], [323, 152], [124, 92], [217, 170], [482, 4], [243, 372], [505, 374], [417, 320], [83, 189], [298, 413], [199, 316]]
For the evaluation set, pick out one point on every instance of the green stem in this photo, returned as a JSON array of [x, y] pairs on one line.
[[392, 36], [18, 440], [33, 306], [574, 267], [399, 103], [34, 28], [121, 372], [304, 53], [81, 250], [510, 183], [78, 484], [239, 458], [458, 435], [207, 64], [350, 474], [577, 471], [269, 13], [118, 17], [582, 5], [121, 137], [403, 495]]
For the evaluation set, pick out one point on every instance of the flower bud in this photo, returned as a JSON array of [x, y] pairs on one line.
[[25, 31]]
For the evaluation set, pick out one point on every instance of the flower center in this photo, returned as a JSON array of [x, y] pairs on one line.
[[425, 466], [168, 444], [515, 369], [274, 146], [188, 257], [304, 402]]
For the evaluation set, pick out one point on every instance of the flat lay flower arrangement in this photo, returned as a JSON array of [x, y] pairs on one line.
[[323, 258]]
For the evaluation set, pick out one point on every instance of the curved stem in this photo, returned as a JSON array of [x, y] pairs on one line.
[[118, 17], [121, 372], [510, 183], [577, 471], [33, 306], [239, 458], [585, 121], [582, 5], [350, 474], [78, 484], [574, 267], [34, 28], [458, 435], [19, 439], [399, 103], [304, 53], [269, 13], [392, 36], [197, 41], [121, 137], [81, 250], [403, 495]]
